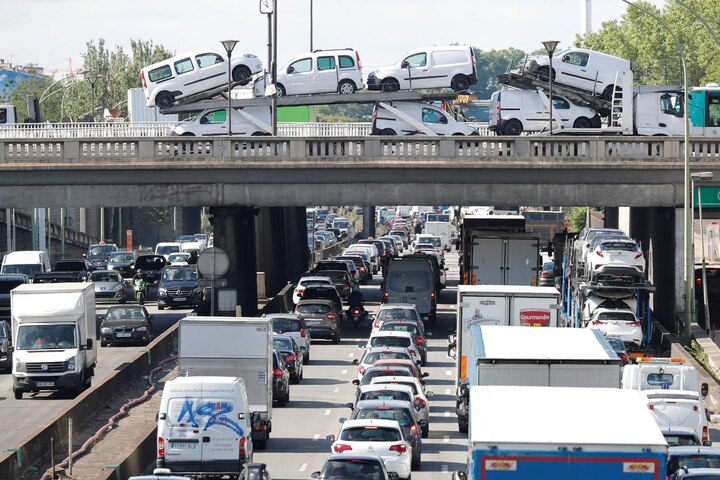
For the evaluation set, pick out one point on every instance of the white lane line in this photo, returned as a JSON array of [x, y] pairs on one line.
[[443, 469], [336, 390], [316, 437], [447, 391], [448, 372], [447, 414], [304, 466], [446, 439], [344, 371], [351, 354], [327, 412]]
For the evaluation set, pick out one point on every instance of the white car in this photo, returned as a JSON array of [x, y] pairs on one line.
[[321, 71], [291, 325], [382, 438], [412, 118], [435, 241], [305, 281], [372, 355], [198, 74], [178, 259], [420, 402], [394, 311], [248, 121], [620, 323], [395, 338], [371, 250], [395, 391], [613, 258]]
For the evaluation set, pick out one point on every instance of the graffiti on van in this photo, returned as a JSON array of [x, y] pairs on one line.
[[214, 413]]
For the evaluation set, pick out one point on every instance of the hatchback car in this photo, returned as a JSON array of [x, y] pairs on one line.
[[151, 266], [547, 275], [619, 347], [415, 328], [342, 281], [281, 381], [98, 255], [179, 287], [421, 404], [291, 355], [293, 326], [179, 259], [395, 311], [616, 259], [402, 339], [692, 457], [373, 355], [123, 262], [343, 467], [321, 71], [620, 323], [126, 324], [321, 318], [323, 292], [109, 285], [305, 281]]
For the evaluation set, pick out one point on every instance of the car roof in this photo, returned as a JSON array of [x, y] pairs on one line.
[[288, 316], [371, 422], [379, 387], [693, 449], [313, 278], [389, 306], [380, 403], [392, 333], [395, 378], [315, 300], [385, 349]]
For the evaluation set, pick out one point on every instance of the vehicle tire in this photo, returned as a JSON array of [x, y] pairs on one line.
[[103, 343], [346, 87], [164, 99], [390, 85], [513, 127], [295, 379], [460, 83], [280, 91], [121, 301], [188, 134], [287, 396], [336, 339], [260, 444], [582, 122], [416, 464], [463, 426], [544, 76], [608, 92], [160, 307], [260, 134], [282, 401], [18, 394], [389, 132], [242, 75], [306, 360], [425, 431]]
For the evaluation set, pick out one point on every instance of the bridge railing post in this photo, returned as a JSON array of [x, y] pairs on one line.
[[297, 149], [146, 149], [522, 148], [447, 148], [71, 150], [371, 147]]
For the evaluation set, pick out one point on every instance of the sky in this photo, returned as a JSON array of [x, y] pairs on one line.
[[380, 30]]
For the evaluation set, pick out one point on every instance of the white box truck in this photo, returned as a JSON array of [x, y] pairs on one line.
[[233, 347], [551, 357], [439, 224], [53, 327], [550, 433], [659, 373]]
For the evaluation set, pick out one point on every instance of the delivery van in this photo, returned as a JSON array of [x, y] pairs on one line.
[[204, 426], [26, 262], [411, 280]]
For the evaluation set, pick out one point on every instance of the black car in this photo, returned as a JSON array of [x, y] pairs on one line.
[[79, 266], [98, 255], [9, 281], [291, 355], [179, 287], [5, 353], [281, 381], [382, 250], [363, 272], [126, 324], [123, 262], [151, 266]]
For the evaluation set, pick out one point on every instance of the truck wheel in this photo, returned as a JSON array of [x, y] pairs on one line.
[[260, 444], [346, 87], [513, 127], [460, 83], [164, 99], [390, 85], [242, 75], [388, 131], [18, 394], [462, 426]]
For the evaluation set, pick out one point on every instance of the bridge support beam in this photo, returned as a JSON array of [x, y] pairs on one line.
[[368, 221], [611, 217], [234, 232], [190, 220]]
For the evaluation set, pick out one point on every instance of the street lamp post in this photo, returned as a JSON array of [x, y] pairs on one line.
[[229, 47], [687, 189], [311, 25], [550, 46], [702, 176]]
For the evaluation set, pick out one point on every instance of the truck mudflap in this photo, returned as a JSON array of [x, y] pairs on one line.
[[571, 465]]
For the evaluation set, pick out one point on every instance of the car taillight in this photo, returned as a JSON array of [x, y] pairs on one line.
[[651, 407], [362, 269], [341, 447], [634, 324], [277, 372], [598, 322], [386, 294], [362, 370], [414, 431], [299, 291], [698, 281], [302, 333], [599, 253], [432, 294], [331, 316], [624, 357], [419, 340], [242, 452], [705, 436], [347, 286], [356, 311], [420, 404], [545, 274], [638, 255], [161, 447], [376, 323], [292, 357], [695, 408], [359, 63], [400, 448], [144, 83]]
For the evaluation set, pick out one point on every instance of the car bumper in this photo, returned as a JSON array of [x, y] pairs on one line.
[[373, 83], [134, 337], [5, 360], [278, 390], [322, 331], [190, 301], [627, 335], [398, 464], [619, 271], [110, 295], [188, 468], [59, 382], [546, 282]]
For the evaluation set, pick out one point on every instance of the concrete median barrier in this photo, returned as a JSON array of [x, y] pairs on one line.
[[34, 449]]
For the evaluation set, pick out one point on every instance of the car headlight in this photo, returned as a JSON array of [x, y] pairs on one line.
[[110, 267], [141, 329], [197, 290], [119, 286], [70, 364], [19, 366], [162, 291], [106, 330]]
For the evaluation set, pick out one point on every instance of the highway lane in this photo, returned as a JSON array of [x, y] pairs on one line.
[[21, 417]]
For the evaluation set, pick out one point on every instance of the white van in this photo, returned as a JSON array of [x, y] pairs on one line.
[[678, 410], [28, 262], [412, 118], [166, 248], [411, 280], [200, 74], [446, 66], [584, 69], [245, 122], [321, 71], [204, 425], [513, 112]]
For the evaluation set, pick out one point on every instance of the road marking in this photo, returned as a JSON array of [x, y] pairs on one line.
[[304, 466], [447, 414], [448, 372], [327, 412], [336, 390], [351, 354], [443, 469], [446, 439], [447, 391], [316, 437], [344, 371]]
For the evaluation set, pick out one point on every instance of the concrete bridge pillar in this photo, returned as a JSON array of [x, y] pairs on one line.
[[297, 255], [368, 221], [234, 232], [611, 217], [190, 220]]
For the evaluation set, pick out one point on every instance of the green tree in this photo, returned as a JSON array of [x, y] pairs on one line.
[[490, 64], [576, 217]]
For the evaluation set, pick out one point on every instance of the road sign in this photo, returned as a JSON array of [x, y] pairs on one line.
[[213, 262], [710, 197]]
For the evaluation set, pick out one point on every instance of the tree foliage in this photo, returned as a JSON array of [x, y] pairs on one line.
[[640, 38]]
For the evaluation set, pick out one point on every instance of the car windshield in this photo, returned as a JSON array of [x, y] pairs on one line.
[[390, 342], [621, 316], [397, 314], [353, 469], [696, 460], [179, 274], [29, 269], [341, 224], [385, 395], [547, 266], [101, 250], [434, 241], [122, 257], [620, 246], [385, 372], [360, 254], [178, 257], [167, 249], [313, 308], [124, 313], [282, 344], [409, 384], [387, 413], [105, 277], [286, 325], [45, 337], [370, 434], [616, 344], [7, 285], [681, 440], [373, 357], [409, 282], [399, 327]]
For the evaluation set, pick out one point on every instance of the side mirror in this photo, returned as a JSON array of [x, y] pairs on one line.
[[356, 382], [330, 438], [704, 389], [429, 394], [89, 343], [291, 70], [393, 476], [459, 476], [428, 334], [160, 416], [315, 475], [84, 255], [422, 382], [349, 405], [361, 345], [342, 420], [356, 362], [404, 64]]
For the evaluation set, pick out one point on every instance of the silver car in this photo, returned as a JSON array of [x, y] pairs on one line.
[[109, 285]]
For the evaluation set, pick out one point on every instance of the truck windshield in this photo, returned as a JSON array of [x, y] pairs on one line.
[[45, 337], [29, 269]]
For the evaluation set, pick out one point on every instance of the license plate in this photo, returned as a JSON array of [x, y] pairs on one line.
[[313, 321], [182, 445], [45, 384], [123, 335], [179, 299]]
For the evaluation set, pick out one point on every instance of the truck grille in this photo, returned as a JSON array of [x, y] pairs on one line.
[[180, 292], [51, 367]]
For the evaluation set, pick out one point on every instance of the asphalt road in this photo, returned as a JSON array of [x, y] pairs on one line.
[[21, 417]]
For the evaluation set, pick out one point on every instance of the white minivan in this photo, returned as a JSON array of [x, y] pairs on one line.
[[321, 71], [447, 66], [166, 248], [584, 69], [246, 121], [412, 118], [513, 112], [204, 425], [200, 74], [28, 262]]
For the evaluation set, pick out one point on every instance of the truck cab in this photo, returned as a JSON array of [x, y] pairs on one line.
[[660, 374], [8, 114]]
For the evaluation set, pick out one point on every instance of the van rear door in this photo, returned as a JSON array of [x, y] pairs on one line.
[[183, 432], [224, 426]]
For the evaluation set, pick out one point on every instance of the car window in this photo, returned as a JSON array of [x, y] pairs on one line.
[[302, 66], [124, 312], [560, 103], [445, 57], [370, 434], [286, 325], [346, 61], [409, 384], [620, 246], [660, 379], [123, 257], [401, 415], [105, 277], [325, 63], [313, 308], [183, 66], [713, 110], [579, 59], [390, 342], [693, 461], [433, 116], [417, 60], [671, 104], [216, 116], [373, 357], [282, 343], [385, 395], [179, 274], [624, 316], [409, 282], [399, 327], [160, 73], [397, 314], [344, 469], [206, 59]]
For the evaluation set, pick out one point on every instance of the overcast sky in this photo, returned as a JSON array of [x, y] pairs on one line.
[[49, 32]]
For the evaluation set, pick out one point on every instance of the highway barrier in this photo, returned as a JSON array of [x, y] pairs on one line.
[[33, 450]]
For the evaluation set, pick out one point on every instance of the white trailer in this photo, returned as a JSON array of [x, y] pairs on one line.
[[442, 230], [53, 326], [233, 347]]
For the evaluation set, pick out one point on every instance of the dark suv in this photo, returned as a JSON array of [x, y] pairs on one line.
[[8, 282], [98, 255], [179, 286]]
